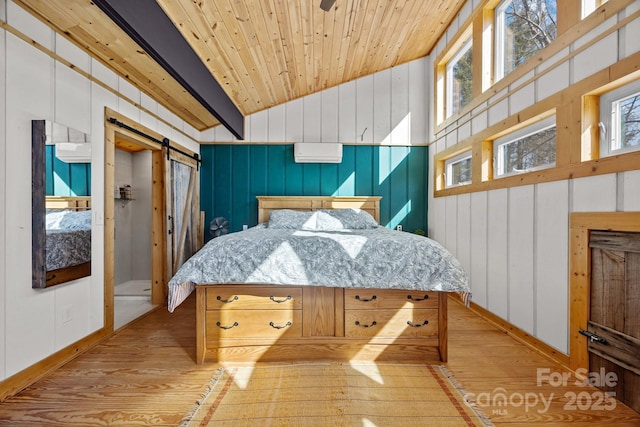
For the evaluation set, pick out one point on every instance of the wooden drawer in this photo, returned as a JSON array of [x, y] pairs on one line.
[[254, 298], [391, 323], [363, 299], [268, 324]]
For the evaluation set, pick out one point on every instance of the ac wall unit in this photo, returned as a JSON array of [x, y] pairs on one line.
[[74, 152], [317, 152]]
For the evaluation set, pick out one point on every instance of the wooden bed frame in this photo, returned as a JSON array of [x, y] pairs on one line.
[[250, 323]]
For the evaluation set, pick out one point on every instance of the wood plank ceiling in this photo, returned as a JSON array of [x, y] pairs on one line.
[[262, 52]]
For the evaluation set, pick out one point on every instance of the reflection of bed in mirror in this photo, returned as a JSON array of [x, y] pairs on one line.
[[60, 223], [68, 238]]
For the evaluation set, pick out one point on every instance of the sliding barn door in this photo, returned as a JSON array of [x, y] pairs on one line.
[[184, 213], [614, 321]]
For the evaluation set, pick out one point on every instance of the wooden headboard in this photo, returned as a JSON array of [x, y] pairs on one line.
[[79, 203], [266, 204]]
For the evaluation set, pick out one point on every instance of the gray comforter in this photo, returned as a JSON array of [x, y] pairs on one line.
[[68, 238], [360, 258]]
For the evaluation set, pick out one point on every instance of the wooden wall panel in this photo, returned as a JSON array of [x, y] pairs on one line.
[[549, 76], [551, 310], [277, 123], [329, 118], [294, 120], [400, 204], [498, 253], [583, 63], [631, 191], [232, 175], [388, 107], [584, 190], [364, 109], [66, 179], [451, 225], [347, 131], [463, 238], [259, 130], [418, 101], [3, 197], [28, 90], [479, 235], [382, 107], [312, 118], [520, 275], [400, 119]]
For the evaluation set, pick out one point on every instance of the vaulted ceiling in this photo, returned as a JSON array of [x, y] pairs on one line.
[[261, 52]]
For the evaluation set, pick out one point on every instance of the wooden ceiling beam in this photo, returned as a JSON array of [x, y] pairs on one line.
[[147, 24]]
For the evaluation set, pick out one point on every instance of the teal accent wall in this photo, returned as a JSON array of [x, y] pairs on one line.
[[233, 175], [66, 179]]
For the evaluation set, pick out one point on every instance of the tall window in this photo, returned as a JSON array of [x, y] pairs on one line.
[[458, 170], [523, 27], [620, 120], [459, 79], [528, 149]]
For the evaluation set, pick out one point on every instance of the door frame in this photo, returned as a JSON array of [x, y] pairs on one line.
[[580, 224], [117, 136]]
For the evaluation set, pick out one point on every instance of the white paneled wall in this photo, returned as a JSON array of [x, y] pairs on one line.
[[3, 197], [514, 242], [388, 107], [36, 87]]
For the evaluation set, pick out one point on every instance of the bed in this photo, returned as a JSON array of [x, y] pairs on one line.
[[307, 283], [68, 238]]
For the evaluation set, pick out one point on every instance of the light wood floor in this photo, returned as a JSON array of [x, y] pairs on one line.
[[146, 375]]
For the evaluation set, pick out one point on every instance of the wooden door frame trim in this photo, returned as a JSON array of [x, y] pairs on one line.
[[580, 223], [158, 281]]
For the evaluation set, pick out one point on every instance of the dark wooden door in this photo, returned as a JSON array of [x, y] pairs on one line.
[[614, 321]]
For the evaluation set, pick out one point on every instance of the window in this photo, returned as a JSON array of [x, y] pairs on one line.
[[458, 170], [522, 28], [620, 120], [459, 76], [589, 6], [530, 148]]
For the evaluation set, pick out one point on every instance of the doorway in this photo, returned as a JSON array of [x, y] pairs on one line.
[[132, 247], [604, 292], [122, 147]]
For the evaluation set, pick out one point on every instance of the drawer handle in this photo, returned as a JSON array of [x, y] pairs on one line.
[[280, 300], [279, 326], [226, 327], [374, 323], [219, 298], [410, 323], [409, 297], [366, 300]]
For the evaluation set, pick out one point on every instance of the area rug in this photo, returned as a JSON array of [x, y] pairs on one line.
[[334, 394]]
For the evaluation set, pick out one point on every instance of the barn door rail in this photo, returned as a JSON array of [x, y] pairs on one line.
[[163, 143]]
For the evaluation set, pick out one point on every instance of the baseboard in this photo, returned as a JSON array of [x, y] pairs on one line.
[[520, 335], [23, 379]]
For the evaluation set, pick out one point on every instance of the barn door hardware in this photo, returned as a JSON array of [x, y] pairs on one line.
[[592, 337], [165, 143]]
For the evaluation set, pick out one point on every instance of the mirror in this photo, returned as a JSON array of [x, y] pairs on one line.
[[61, 206]]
